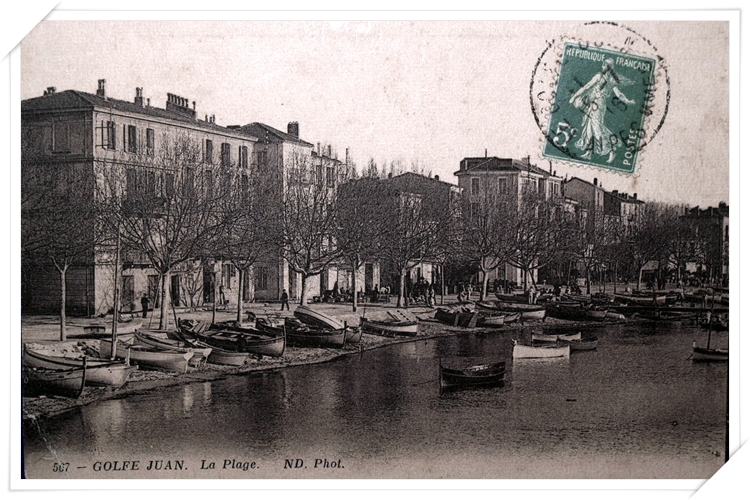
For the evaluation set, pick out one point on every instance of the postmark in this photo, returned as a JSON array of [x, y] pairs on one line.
[[598, 104]]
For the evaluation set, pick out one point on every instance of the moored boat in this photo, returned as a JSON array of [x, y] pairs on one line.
[[588, 344], [148, 357], [45, 382], [709, 354], [457, 317], [246, 339], [488, 374], [100, 372], [525, 351], [491, 320]]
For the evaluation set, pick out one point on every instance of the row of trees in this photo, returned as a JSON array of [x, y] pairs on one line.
[[173, 210]]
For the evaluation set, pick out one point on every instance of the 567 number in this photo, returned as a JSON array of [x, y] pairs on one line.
[[60, 467]]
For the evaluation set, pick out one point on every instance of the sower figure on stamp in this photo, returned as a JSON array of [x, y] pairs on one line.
[[284, 300], [592, 99]]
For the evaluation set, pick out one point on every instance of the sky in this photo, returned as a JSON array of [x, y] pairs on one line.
[[424, 93]]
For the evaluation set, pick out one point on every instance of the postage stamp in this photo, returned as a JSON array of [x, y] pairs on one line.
[[600, 103]]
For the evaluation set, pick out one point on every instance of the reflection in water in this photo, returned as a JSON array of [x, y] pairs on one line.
[[634, 407]]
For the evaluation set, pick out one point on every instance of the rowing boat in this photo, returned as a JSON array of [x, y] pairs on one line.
[[148, 357], [200, 353], [390, 328], [525, 351], [100, 372], [317, 319], [45, 382], [475, 375]]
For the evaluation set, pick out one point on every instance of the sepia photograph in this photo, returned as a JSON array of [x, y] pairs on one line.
[[375, 249]]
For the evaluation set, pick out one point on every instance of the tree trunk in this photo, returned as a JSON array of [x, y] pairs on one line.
[[588, 280], [63, 293], [614, 282], [213, 297], [442, 283], [303, 293], [165, 299], [640, 277], [354, 288], [401, 289], [483, 292], [241, 277]]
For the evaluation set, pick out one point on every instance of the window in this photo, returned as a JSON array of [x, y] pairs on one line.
[[474, 185], [189, 180], [226, 182], [319, 174], [245, 184], [169, 185], [262, 158], [149, 183], [209, 152], [243, 156], [330, 177], [61, 137], [131, 183], [227, 272], [474, 210], [208, 183], [132, 139], [226, 156], [109, 136], [261, 278], [502, 185], [150, 141]]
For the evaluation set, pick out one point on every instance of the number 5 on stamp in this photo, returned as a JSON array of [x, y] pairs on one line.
[[602, 100]]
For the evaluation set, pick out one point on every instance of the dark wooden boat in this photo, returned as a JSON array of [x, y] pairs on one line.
[[457, 317], [301, 335], [186, 333], [100, 372], [489, 374], [709, 354], [45, 382], [246, 339], [588, 344]]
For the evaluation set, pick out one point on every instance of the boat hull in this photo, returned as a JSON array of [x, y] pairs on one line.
[[316, 338], [244, 339], [703, 354], [390, 328], [317, 319], [99, 372], [44, 382], [529, 352], [200, 354], [473, 376], [148, 357], [581, 344]]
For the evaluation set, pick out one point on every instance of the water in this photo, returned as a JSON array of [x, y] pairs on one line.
[[637, 407]]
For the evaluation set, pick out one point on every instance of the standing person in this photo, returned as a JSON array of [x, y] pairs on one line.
[[284, 300], [144, 304], [221, 294]]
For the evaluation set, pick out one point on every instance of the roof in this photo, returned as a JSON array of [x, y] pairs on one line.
[[261, 129], [495, 164], [75, 99], [415, 177]]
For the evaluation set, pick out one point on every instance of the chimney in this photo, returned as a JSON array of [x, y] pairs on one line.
[[437, 177], [329, 151], [50, 90], [485, 152], [100, 90], [318, 149], [347, 156], [148, 102], [139, 96], [596, 181], [180, 105], [635, 196], [615, 193], [292, 128]]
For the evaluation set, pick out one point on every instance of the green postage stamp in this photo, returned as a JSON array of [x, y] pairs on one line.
[[601, 102]]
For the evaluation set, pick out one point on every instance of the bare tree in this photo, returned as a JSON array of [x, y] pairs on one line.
[[59, 218], [307, 218], [162, 206]]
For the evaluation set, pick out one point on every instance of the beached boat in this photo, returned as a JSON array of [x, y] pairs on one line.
[[317, 319], [161, 341], [461, 316], [488, 374], [641, 299], [100, 372], [246, 339], [491, 320], [543, 337], [524, 351], [306, 336], [353, 335], [148, 357], [45, 382], [103, 330], [390, 328], [528, 312]]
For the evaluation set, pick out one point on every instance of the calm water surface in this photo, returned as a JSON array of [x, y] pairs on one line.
[[637, 407]]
